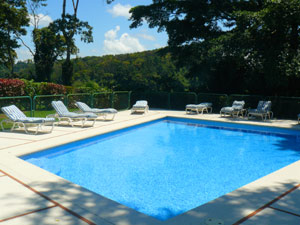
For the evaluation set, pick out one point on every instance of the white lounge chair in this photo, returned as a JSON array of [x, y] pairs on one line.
[[140, 106], [63, 114], [234, 110], [100, 112], [19, 119], [263, 109], [197, 108]]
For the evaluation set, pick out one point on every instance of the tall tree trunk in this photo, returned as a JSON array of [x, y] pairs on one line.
[[67, 66]]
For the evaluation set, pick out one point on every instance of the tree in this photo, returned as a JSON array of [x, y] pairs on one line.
[[69, 26], [13, 20], [255, 42], [271, 36], [185, 22], [48, 47]]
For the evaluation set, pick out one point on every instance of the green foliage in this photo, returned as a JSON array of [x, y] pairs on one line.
[[13, 20], [254, 44], [138, 71], [42, 88], [150, 70], [88, 87], [30, 87], [69, 26], [48, 47]]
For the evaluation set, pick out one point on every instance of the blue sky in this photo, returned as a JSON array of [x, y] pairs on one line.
[[110, 28]]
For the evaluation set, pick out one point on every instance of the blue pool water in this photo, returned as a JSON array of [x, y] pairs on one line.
[[169, 166]]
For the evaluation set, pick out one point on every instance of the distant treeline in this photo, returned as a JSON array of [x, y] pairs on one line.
[[157, 70], [149, 70]]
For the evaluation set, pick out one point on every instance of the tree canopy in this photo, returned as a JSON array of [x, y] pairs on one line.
[[255, 43], [69, 26], [13, 20]]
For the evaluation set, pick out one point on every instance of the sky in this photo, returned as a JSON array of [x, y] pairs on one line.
[[110, 23]]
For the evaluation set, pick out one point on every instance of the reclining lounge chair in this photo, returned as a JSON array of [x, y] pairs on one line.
[[19, 119], [205, 106], [100, 112], [236, 109], [140, 106], [263, 109], [63, 114]]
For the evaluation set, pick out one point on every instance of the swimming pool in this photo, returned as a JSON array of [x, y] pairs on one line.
[[169, 166]]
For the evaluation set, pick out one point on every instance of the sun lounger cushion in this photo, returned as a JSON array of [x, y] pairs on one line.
[[234, 110], [204, 104], [62, 111], [85, 108], [16, 115], [263, 109], [237, 105], [140, 104]]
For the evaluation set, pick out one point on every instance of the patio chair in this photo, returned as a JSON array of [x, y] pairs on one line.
[[99, 112], [63, 114], [19, 119], [234, 110], [263, 109], [140, 106], [197, 108]]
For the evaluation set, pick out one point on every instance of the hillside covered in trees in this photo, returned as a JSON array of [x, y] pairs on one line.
[[149, 70], [157, 70]]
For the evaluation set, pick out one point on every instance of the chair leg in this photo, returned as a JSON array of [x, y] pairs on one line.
[[13, 126], [94, 122], [6, 120], [83, 122], [70, 121], [52, 128], [37, 128], [25, 128]]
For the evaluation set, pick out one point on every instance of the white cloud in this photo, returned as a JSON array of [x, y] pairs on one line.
[[42, 20], [125, 44], [112, 34], [120, 10], [147, 37]]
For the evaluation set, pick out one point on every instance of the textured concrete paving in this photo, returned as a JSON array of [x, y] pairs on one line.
[[30, 195]]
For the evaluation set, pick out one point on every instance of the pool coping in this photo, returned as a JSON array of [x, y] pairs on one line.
[[231, 208]]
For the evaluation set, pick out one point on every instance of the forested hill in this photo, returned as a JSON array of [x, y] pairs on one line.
[[156, 70], [148, 70]]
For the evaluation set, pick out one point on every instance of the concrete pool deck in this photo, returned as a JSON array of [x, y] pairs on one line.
[[30, 195]]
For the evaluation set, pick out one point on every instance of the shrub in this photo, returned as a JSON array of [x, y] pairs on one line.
[[51, 89], [88, 87], [69, 89], [31, 87], [12, 87]]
